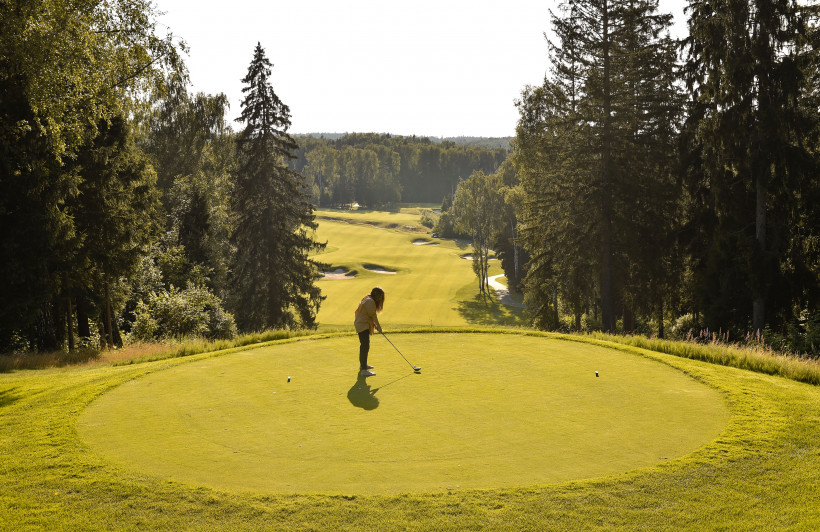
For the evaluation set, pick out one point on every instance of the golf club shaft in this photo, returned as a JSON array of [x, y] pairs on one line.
[[397, 350]]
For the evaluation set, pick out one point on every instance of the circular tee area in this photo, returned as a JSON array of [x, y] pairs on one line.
[[487, 410]]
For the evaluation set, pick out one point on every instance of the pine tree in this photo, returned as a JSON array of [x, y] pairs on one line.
[[273, 278]]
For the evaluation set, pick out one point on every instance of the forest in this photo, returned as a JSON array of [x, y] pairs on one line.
[[662, 186], [654, 185], [383, 170]]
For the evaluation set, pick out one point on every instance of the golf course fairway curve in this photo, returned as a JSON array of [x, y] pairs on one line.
[[487, 411]]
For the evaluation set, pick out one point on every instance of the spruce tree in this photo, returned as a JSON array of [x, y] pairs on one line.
[[749, 168], [595, 150], [273, 278]]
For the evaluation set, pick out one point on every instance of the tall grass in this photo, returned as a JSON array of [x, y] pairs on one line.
[[138, 352], [196, 346], [760, 359]]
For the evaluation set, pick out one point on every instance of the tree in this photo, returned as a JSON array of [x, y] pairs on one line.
[[114, 214], [65, 69], [749, 167], [193, 150], [477, 206], [273, 278], [595, 151]]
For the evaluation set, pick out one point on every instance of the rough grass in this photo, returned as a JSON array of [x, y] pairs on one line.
[[757, 359], [759, 474]]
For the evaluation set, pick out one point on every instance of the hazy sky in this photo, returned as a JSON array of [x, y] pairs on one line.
[[426, 67]]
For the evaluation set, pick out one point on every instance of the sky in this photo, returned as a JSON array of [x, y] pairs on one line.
[[441, 68]]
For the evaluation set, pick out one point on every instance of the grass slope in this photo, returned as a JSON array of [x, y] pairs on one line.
[[760, 473]]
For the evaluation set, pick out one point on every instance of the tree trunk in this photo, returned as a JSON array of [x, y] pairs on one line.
[[629, 320], [107, 325], [46, 333], [83, 329], [607, 304], [59, 313], [660, 320], [759, 303], [70, 323]]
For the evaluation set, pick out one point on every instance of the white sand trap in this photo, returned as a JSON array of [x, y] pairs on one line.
[[338, 273], [423, 242], [378, 269], [468, 256]]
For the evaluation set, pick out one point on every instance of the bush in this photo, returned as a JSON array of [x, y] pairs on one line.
[[195, 311], [684, 327], [428, 218]]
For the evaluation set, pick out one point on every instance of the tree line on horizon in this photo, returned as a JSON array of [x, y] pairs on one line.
[[382, 170]]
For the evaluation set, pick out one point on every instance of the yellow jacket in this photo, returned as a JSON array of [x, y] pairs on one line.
[[366, 315]]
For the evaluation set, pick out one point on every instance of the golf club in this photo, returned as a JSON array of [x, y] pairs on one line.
[[415, 368]]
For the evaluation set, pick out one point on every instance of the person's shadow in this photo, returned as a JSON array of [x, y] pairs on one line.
[[361, 396]]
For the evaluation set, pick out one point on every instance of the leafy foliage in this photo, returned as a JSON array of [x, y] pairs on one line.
[[192, 312]]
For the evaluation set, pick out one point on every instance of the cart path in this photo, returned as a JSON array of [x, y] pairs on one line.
[[503, 292]]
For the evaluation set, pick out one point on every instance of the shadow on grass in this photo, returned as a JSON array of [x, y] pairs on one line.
[[483, 309], [361, 396], [7, 397], [56, 359]]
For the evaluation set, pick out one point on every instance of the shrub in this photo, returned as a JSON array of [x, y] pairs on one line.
[[195, 311], [428, 218], [684, 326]]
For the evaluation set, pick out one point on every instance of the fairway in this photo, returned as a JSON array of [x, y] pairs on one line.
[[429, 285], [487, 411]]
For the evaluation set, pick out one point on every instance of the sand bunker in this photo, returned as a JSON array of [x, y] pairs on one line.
[[423, 242], [339, 273], [378, 269]]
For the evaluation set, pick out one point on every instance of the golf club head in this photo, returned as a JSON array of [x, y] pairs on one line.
[[417, 369]]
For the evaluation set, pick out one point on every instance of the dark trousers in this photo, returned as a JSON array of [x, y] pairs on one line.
[[364, 348]]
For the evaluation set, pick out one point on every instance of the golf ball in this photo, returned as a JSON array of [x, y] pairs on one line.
[[289, 378], [596, 374]]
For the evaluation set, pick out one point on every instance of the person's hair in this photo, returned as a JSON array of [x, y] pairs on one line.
[[378, 296]]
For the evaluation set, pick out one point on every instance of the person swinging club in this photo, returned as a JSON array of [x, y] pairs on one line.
[[366, 323]]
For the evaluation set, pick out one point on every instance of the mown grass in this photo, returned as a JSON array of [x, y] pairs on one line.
[[759, 474]]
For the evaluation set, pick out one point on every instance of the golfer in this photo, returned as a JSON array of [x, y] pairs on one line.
[[365, 323]]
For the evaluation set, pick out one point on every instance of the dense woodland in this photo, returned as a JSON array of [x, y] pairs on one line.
[[663, 184], [383, 170], [654, 185]]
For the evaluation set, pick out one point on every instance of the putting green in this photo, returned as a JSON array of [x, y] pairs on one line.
[[488, 410]]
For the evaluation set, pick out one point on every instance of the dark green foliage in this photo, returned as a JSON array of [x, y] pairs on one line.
[[751, 162], [115, 213], [273, 278], [382, 170], [595, 150], [174, 313], [67, 72], [193, 150]]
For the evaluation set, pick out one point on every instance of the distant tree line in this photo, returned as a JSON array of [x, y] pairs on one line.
[[380, 170]]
